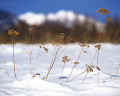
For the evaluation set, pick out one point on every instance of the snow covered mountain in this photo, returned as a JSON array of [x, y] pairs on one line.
[[65, 17]]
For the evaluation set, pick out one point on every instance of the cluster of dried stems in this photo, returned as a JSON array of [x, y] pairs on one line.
[[31, 31], [89, 68], [57, 52], [58, 49]]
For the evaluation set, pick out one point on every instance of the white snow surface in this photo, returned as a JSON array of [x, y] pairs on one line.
[[25, 85]]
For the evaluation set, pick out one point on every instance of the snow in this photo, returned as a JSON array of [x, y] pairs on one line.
[[26, 85], [66, 17], [32, 18]]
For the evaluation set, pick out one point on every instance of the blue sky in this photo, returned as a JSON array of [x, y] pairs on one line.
[[46, 6]]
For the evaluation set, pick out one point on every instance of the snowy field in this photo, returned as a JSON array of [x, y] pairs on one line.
[[25, 85]]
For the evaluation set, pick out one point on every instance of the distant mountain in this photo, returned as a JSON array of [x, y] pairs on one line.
[[65, 17], [6, 19], [68, 18]]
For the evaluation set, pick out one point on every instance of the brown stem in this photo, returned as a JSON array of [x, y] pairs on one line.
[[84, 77], [14, 58], [62, 70], [93, 57], [97, 65], [75, 64], [76, 76], [52, 63], [71, 72], [117, 71]]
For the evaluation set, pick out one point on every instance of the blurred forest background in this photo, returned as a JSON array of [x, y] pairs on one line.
[[49, 31]]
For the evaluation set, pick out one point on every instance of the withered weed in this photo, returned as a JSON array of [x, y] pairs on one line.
[[13, 35]]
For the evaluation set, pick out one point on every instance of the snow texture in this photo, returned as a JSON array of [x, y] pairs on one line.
[[26, 85]]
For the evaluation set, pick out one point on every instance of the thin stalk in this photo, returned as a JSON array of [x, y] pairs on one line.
[[52, 63], [93, 57], [71, 72], [31, 44], [76, 76], [97, 65], [55, 57], [79, 54], [85, 70], [74, 64], [62, 70], [84, 77], [14, 58], [30, 60], [117, 71], [35, 61]]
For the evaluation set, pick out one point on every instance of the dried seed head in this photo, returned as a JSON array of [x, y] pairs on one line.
[[102, 11], [82, 45], [108, 19], [88, 68], [65, 59], [92, 66], [30, 29], [98, 46], [13, 33], [88, 46], [40, 46], [46, 50], [97, 68], [76, 62]]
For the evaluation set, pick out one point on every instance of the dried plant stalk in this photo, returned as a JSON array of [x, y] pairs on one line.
[[56, 52], [53, 61], [117, 69], [81, 45], [14, 58], [13, 34], [62, 71], [76, 76]]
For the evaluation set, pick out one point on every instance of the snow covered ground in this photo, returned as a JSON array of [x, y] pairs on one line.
[[25, 85]]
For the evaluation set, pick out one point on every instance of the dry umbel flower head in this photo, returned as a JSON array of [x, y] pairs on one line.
[[13, 33], [83, 45], [65, 59], [46, 50], [98, 46], [76, 62], [108, 19], [102, 11], [89, 68]]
